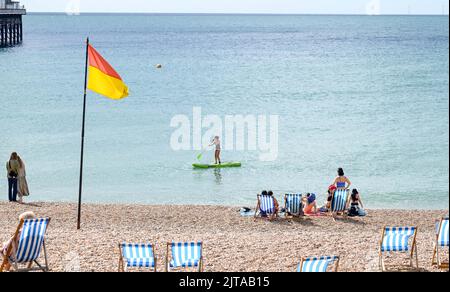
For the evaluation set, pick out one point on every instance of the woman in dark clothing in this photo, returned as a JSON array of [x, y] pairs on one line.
[[12, 169], [356, 206]]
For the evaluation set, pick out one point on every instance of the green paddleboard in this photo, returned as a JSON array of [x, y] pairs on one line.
[[223, 165]]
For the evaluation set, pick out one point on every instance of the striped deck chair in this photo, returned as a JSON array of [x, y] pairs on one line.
[[398, 240], [293, 205], [266, 207], [339, 202], [31, 234], [184, 255], [136, 256], [442, 242], [318, 264]]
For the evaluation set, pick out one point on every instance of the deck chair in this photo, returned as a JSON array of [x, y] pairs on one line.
[[31, 234], [442, 242], [339, 202], [136, 256], [398, 240], [265, 207], [184, 255], [318, 264], [293, 205]]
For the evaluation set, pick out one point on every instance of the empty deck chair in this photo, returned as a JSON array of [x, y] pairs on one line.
[[266, 207], [184, 255], [399, 240], [293, 205], [318, 264], [339, 202], [442, 242], [31, 234], [136, 256]]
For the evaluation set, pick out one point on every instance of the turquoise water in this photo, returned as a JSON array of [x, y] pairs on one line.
[[369, 94]]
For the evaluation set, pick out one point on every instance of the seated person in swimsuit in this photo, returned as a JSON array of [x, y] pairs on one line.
[[356, 206], [311, 205], [342, 182], [275, 202]]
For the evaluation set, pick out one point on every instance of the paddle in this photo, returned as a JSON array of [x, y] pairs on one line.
[[200, 156]]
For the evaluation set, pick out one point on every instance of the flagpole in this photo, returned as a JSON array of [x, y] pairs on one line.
[[82, 136]]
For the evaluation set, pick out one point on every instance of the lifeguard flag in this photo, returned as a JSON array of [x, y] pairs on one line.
[[103, 79]]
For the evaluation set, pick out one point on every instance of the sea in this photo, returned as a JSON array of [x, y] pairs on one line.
[[369, 94]]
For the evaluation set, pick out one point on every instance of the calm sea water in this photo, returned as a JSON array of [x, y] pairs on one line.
[[369, 94]]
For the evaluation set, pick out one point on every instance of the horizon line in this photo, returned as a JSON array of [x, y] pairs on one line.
[[243, 13]]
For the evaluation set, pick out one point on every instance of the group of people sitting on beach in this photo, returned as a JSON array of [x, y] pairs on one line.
[[309, 200]]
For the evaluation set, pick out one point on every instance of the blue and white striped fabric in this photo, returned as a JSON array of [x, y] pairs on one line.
[[186, 254], [339, 202], [316, 265], [293, 203], [138, 255], [443, 238], [267, 204], [31, 240], [397, 239]]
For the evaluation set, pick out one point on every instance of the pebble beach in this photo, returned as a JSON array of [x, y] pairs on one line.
[[232, 243]]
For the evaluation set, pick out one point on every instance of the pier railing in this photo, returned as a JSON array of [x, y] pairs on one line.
[[11, 5], [17, 10]]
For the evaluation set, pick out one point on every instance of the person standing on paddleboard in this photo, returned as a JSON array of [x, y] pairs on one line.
[[216, 141]]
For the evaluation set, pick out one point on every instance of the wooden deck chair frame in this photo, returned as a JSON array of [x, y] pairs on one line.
[[169, 252], [344, 213], [271, 217], [12, 251], [335, 269], [413, 254], [436, 261], [286, 215], [122, 266]]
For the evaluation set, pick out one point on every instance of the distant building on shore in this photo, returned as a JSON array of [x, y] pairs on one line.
[[11, 28]]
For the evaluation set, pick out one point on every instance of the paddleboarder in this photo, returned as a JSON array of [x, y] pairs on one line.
[[216, 142]]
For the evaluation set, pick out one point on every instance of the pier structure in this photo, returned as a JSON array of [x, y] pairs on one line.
[[11, 28]]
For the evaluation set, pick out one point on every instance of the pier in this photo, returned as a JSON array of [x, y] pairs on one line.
[[11, 28]]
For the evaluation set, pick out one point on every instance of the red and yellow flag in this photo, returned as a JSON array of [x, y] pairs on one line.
[[103, 79]]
